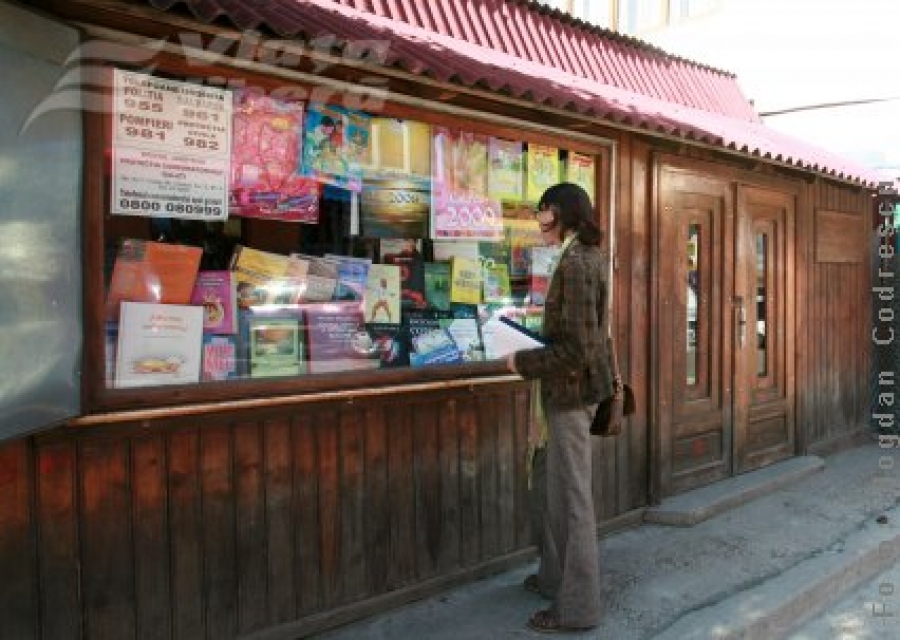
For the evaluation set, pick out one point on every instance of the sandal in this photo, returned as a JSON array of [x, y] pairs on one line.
[[545, 621], [531, 584]]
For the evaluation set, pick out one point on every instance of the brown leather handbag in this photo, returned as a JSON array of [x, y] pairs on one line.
[[610, 415]]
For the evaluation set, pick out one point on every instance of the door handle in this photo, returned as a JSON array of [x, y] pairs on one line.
[[741, 322]]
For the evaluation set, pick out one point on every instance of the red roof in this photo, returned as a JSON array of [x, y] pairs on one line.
[[509, 46]]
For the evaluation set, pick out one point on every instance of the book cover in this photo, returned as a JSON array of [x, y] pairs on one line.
[[276, 347], [506, 168], [382, 298], [542, 171], [159, 344], [389, 344], [543, 260], [216, 292], [465, 281], [146, 271], [337, 339], [437, 285], [336, 145], [394, 246], [503, 336], [352, 275], [496, 284], [321, 278], [429, 340], [412, 275], [521, 232], [267, 138], [446, 250], [264, 278], [464, 329], [460, 205], [219, 358], [581, 170], [399, 149]]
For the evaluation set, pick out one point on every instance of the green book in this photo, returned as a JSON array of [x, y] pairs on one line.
[[437, 285]]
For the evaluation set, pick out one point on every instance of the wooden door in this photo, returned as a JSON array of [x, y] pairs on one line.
[[764, 372], [694, 255]]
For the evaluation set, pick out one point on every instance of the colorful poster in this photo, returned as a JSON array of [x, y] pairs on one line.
[[399, 149], [460, 206], [581, 170], [265, 175], [506, 169], [542, 171], [171, 148], [336, 146]]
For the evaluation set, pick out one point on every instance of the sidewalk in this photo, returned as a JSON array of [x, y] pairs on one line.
[[756, 571]]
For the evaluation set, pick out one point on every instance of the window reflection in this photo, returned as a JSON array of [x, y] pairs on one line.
[[693, 302], [762, 359]]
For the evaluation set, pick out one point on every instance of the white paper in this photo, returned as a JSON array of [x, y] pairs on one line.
[[500, 339]]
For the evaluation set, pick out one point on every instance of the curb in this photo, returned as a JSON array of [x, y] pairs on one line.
[[772, 609], [693, 507]]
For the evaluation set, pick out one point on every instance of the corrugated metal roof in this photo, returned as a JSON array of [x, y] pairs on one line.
[[436, 39]]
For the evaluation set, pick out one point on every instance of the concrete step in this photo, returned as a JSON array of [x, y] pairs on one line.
[[689, 508]]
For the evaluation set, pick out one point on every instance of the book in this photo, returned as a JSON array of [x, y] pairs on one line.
[[389, 344], [543, 260], [382, 298], [412, 276], [267, 138], [159, 344], [399, 148], [352, 275], [337, 338], [321, 278], [521, 232], [219, 357], [446, 250], [276, 347], [437, 284], [429, 340], [216, 292], [542, 171], [336, 145], [496, 283], [393, 246], [464, 329], [146, 271], [465, 281], [581, 170], [264, 278], [506, 168]]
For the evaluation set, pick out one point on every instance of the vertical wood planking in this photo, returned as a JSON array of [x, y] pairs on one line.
[[251, 528], [506, 471], [352, 497], [307, 565], [280, 527], [469, 524], [219, 548], [327, 433], [18, 561], [107, 557], [151, 538], [489, 507], [401, 496], [428, 494], [58, 552], [448, 449], [521, 400], [186, 550], [377, 516]]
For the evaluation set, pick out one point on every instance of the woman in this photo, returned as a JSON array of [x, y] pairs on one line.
[[575, 375]]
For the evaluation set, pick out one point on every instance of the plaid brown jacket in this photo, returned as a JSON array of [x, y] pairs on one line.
[[575, 367]]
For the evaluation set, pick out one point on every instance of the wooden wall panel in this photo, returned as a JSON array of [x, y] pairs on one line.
[[18, 559], [280, 519], [250, 527]]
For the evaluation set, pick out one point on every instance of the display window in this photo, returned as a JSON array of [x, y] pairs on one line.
[[251, 237]]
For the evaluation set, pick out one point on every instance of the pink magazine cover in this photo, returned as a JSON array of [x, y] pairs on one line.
[[216, 292]]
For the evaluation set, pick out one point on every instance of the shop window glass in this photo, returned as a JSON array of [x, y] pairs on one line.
[[348, 241]]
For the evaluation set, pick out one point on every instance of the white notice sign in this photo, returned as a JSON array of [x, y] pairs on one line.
[[171, 148]]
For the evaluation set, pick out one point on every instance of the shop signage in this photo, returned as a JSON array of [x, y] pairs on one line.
[[171, 148]]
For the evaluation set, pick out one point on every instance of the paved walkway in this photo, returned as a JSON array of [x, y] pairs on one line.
[[757, 570]]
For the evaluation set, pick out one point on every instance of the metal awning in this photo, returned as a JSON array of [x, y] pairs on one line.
[[508, 46]]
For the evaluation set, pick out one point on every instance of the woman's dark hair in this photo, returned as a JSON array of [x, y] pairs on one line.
[[573, 209]]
